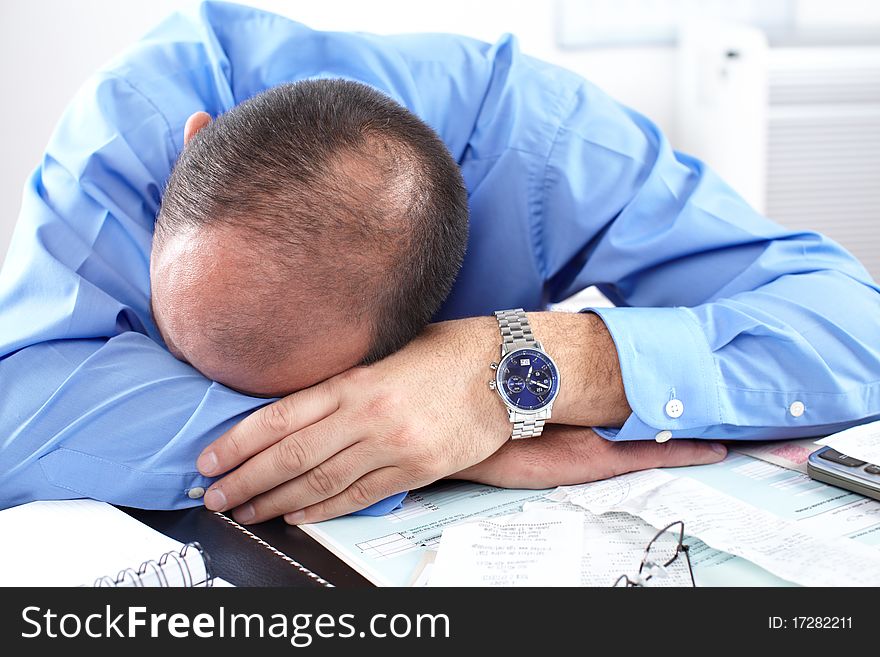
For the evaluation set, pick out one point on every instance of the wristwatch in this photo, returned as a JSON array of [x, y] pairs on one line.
[[526, 378]]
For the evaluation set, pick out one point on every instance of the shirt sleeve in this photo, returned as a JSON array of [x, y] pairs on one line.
[[727, 325], [93, 405]]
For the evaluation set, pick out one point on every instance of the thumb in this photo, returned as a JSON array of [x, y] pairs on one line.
[[644, 454]]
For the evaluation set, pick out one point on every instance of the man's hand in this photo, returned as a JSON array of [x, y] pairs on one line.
[[417, 416], [565, 455], [425, 413]]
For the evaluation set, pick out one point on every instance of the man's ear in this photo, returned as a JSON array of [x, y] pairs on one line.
[[195, 123]]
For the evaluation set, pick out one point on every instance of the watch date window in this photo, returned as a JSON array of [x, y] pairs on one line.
[[524, 362]]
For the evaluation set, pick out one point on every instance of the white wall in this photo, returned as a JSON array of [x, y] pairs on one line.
[[49, 47]]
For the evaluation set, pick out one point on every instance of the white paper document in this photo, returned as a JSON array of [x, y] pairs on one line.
[[421, 575], [533, 548], [862, 442], [725, 523], [610, 493], [614, 545], [387, 549], [548, 544]]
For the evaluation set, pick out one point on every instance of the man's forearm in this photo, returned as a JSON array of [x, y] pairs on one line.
[[591, 388], [591, 391], [158, 412]]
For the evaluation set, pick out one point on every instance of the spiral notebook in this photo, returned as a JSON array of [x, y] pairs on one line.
[[89, 543]]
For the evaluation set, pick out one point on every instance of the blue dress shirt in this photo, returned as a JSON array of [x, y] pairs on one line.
[[727, 325]]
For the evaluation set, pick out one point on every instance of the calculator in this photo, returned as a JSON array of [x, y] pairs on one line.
[[831, 467]]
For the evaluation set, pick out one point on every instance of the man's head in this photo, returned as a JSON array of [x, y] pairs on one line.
[[315, 226]]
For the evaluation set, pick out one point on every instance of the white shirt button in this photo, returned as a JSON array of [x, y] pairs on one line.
[[674, 408], [663, 436], [196, 493], [797, 408]]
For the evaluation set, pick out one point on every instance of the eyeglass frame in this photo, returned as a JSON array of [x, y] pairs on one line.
[[641, 580]]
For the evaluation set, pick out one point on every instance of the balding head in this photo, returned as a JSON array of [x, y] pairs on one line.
[[316, 226]]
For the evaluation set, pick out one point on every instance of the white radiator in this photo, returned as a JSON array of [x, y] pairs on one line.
[[796, 130], [823, 145]]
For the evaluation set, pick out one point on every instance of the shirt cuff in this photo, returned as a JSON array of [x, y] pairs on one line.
[[668, 370], [381, 508]]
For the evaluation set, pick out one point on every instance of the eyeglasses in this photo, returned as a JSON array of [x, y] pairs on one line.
[[662, 560]]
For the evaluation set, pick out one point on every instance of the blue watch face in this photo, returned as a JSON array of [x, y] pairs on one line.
[[527, 379]]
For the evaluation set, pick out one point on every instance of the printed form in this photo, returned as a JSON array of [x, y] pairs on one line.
[[613, 545], [388, 549], [780, 546], [547, 544], [537, 547]]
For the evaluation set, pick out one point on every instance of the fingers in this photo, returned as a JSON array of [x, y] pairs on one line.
[[324, 481], [302, 452], [369, 489], [266, 427], [575, 454]]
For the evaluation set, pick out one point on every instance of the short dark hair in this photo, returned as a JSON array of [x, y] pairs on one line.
[[340, 176]]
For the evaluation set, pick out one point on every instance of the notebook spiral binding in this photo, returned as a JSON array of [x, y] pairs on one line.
[[173, 568]]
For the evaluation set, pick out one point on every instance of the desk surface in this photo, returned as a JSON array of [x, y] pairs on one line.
[[417, 526]]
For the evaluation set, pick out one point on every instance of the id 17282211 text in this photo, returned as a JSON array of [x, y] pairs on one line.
[[810, 623]]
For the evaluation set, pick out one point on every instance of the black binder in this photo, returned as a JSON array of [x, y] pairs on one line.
[[271, 553]]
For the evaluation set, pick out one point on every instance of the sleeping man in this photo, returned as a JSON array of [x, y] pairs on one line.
[[291, 273]]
